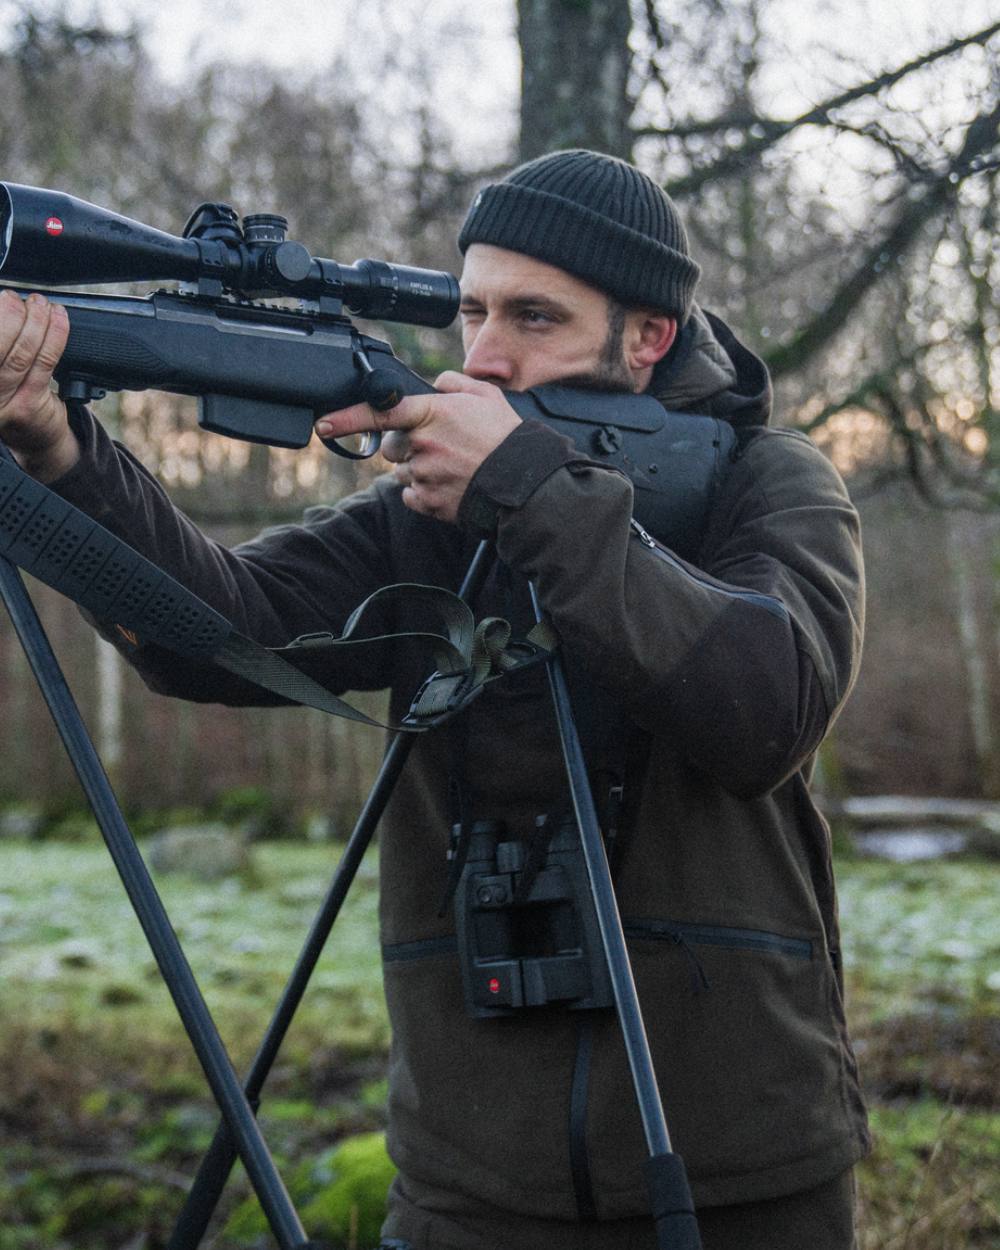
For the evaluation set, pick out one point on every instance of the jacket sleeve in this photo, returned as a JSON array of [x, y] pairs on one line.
[[743, 658], [291, 580]]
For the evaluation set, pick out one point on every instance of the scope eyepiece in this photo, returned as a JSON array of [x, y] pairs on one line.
[[384, 292]]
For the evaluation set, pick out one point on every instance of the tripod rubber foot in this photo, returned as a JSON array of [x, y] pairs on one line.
[[671, 1202]]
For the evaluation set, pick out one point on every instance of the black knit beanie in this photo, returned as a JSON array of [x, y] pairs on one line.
[[598, 218]]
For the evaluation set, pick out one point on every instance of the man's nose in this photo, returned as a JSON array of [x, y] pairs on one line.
[[488, 357]]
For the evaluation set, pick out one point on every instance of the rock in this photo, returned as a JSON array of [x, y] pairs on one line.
[[121, 995], [21, 821], [208, 852], [906, 846], [905, 827], [77, 953], [909, 810]]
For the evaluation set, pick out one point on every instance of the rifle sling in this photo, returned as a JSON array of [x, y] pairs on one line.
[[75, 555]]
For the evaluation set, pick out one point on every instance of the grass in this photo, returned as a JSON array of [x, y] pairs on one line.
[[932, 1178], [72, 947], [922, 959], [104, 1112], [925, 933]]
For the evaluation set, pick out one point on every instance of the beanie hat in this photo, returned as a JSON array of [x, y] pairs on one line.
[[598, 218]]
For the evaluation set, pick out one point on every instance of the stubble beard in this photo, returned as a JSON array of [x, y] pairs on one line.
[[611, 372]]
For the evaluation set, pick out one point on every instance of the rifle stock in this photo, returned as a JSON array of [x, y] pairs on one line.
[[264, 373]]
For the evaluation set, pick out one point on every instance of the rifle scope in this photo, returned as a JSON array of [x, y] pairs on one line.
[[53, 239]]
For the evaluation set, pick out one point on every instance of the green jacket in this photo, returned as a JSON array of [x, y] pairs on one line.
[[734, 664]]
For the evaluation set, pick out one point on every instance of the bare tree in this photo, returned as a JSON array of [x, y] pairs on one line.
[[854, 303], [574, 75]]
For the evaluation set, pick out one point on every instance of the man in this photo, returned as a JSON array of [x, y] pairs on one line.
[[710, 684]]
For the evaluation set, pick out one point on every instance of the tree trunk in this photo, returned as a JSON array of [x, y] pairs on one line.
[[574, 74], [973, 656], [109, 706]]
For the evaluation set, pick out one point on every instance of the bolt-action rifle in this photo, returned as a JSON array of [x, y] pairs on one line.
[[264, 372]]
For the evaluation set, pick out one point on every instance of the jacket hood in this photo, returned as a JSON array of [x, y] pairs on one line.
[[709, 370]]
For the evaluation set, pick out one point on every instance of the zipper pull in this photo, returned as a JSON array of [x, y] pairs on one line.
[[644, 537]]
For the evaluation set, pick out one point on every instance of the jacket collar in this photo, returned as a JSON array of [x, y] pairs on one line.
[[708, 370]]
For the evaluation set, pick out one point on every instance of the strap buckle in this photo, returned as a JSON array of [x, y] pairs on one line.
[[494, 654], [441, 696]]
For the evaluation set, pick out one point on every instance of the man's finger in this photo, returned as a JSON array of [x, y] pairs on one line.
[[396, 446], [34, 386], [451, 382], [14, 313], [362, 417], [21, 354], [54, 342], [34, 351]]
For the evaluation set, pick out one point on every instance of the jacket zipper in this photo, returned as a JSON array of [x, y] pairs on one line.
[[666, 930], [426, 948], [768, 602], [720, 935]]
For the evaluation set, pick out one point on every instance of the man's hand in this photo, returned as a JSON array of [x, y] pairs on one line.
[[437, 442], [33, 421]]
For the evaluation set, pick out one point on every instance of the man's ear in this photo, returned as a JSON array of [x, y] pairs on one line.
[[648, 337]]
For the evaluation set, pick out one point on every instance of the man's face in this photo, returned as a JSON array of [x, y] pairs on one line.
[[525, 322]]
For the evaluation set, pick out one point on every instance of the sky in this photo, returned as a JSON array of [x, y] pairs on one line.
[[473, 48], [466, 55], [297, 34], [468, 52]]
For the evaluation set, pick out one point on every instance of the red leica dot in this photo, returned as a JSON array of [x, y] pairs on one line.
[[53, 226], [494, 985]]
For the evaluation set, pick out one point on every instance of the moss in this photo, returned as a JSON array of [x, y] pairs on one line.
[[341, 1196], [256, 812], [350, 1208]]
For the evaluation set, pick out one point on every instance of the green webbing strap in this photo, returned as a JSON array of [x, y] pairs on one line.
[[74, 554]]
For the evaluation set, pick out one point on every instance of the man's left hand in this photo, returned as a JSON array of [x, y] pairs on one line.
[[437, 442]]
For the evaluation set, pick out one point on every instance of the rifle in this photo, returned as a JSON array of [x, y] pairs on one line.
[[264, 372]]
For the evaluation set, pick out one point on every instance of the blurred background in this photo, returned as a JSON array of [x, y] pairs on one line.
[[837, 171], [837, 165]]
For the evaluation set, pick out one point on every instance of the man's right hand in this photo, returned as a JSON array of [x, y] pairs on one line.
[[33, 419]]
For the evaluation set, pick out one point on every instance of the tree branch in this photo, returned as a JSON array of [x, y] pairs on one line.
[[660, 44], [772, 130], [113, 1165], [912, 170], [980, 138]]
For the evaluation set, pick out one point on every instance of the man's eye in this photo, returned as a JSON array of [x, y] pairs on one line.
[[535, 317]]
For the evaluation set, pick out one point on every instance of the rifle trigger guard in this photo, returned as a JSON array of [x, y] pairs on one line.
[[371, 440]]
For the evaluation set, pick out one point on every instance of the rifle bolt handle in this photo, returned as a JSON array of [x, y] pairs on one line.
[[381, 390]]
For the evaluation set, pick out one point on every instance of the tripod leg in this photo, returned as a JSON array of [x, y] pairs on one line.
[[212, 1174], [152, 916], [673, 1209]]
